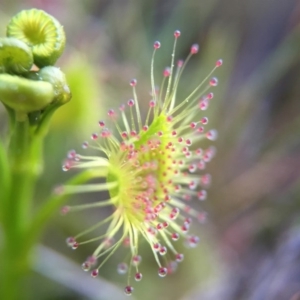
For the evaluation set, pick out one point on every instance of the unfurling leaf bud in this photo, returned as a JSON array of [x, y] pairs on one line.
[[15, 56], [25, 95], [42, 32]]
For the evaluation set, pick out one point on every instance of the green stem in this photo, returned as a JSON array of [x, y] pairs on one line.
[[25, 162], [5, 180], [24, 165], [21, 174], [16, 210], [11, 117]]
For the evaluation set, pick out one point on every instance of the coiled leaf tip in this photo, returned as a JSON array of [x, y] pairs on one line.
[[15, 56], [42, 32]]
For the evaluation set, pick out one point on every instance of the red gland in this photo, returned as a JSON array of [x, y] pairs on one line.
[[111, 113], [130, 102], [213, 81], [156, 45], [86, 266], [174, 213], [212, 135], [199, 151], [75, 246], [167, 72], [204, 120], [185, 228], [94, 136], [203, 104], [101, 123], [202, 195], [95, 273], [193, 125], [179, 257], [200, 129], [128, 290], [163, 250], [188, 220], [162, 272], [188, 142], [133, 82], [152, 103], [192, 168], [209, 96], [219, 63], [156, 246], [67, 165], [165, 224], [72, 154], [169, 118], [159, 226], [70, 241], [193, 241], [194, 49], [177, 33], [136, 260], [138, 276], [124, 134], [175, 236]]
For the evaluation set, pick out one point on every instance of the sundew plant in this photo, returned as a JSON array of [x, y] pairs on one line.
[[152, 168]]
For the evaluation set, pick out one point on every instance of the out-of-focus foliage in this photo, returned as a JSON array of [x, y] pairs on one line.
[[250, 245]]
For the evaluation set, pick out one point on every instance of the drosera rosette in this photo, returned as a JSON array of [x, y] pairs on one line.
[[152, 169]]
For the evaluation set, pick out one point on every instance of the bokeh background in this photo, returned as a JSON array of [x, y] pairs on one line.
[[250, 245]]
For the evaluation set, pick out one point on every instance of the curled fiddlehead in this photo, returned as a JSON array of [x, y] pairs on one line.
[[42, 32], [15, 56]]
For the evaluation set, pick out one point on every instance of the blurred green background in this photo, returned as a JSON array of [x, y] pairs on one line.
[[250, 245]]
